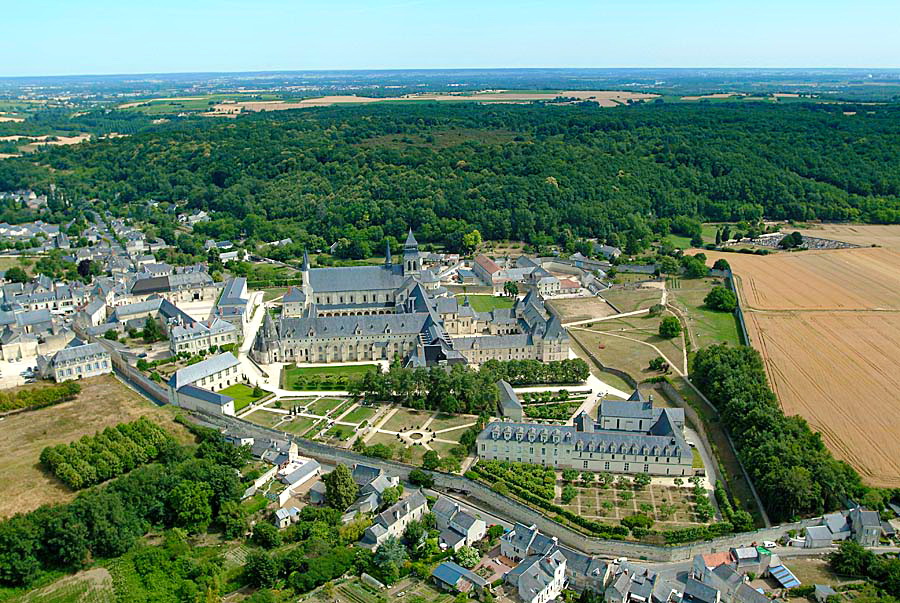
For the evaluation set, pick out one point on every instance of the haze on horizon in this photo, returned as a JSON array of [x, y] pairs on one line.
[[60, 37]]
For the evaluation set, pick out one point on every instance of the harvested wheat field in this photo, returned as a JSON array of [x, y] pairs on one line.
[[827, 324], [834, 279], [605, 98], [860, 234]]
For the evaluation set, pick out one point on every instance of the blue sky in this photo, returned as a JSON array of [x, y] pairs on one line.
[[56, 37]]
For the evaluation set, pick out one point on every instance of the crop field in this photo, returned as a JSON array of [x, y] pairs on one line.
[[827, 324], [859, 234], [90, 586], [103, 402]]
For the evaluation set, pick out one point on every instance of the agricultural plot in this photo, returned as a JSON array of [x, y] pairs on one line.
[[859, 234], [671, 507], [827, 324]]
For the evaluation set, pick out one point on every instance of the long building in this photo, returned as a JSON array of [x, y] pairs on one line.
[[627, 437], [399, 310]]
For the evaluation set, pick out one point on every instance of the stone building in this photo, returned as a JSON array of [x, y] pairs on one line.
[[368, 313], [657, 448]]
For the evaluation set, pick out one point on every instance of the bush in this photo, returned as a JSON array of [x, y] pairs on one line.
[[266, 535], [40, 396]]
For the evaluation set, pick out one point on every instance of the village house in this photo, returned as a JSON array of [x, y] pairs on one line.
[[88, 360], [393, 520], [195, 386]]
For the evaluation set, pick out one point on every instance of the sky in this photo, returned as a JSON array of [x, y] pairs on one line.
[[70, 37]]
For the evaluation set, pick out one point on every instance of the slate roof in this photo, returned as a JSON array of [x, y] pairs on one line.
[[80, 352], [451, 573], [364, 474], [387, 517], [695, 590], [356, 278], [509, 401], [205, 395], [204, 368], [303, 472]]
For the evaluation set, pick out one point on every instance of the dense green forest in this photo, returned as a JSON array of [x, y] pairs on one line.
[[513, 172]]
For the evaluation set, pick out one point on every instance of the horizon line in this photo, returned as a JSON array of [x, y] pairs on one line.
[[442, 69]]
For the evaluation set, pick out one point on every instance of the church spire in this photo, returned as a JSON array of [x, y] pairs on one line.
[[411, 240], [387, 254]]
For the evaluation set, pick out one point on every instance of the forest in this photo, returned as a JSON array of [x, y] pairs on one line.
[[532, 173]]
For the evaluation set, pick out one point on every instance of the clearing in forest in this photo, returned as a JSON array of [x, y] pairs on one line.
[[827, 324]]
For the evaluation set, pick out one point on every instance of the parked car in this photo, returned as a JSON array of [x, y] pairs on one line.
[[769, 544]]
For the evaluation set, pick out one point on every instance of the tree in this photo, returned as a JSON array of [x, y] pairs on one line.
[[467, 557], [390, 551], [391, 495], [431, 460], [669, 327], [111, 335], [721, 264], [471, 241], [233, 519], [266, 535], [667, 265], [152, 331], [721, 299], [641, 480], [260, 569], [190, 504], [16, 275], [340, 489], [791, 241], [417, 477], [658, 364], [257, 391], [87, 269]]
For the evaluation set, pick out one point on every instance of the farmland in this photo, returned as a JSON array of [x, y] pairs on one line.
[[103, 402], [827, 324]]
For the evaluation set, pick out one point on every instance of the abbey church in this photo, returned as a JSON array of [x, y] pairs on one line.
[[399, 309]]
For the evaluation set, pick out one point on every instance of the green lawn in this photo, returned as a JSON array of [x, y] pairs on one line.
[[486, 303], [323, 406], [323, 377], [265, 418], [359, 414], [708, 326], [298, 425], [272, 292], [242, 394]]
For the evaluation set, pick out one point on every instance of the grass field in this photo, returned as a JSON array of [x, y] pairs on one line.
[[359, 414], [631, 355], [7, 262], [323, 377], [581, 308], [297, 425], [629, 300], [827, 324], [706, 326], [323, 406], [264, 418], [486, 303], [242, 394], [273, 292], [103, 402], [405, 418]]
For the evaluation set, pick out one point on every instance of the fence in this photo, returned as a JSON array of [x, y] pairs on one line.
[[513, 509]]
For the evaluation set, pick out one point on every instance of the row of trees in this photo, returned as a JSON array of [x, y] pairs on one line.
[[39, 397], [106, 454], [535, 372], [794, 473]]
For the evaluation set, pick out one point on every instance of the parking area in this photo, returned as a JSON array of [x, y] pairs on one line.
[[11, 371]]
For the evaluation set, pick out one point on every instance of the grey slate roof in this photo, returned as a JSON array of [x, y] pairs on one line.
[[205, 395], [695, 590], [356, 278], [204, 368], [80, 352]]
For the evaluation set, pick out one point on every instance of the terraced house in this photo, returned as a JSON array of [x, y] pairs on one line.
[[627, 437]]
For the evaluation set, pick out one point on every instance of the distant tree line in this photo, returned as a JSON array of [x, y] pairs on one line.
[[107, 454], [39, 397], [332, 175], [794, 473]]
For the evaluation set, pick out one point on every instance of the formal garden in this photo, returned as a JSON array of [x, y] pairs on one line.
[[313, 378]]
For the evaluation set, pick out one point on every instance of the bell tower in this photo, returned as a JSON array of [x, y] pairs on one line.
[[412, 263]]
